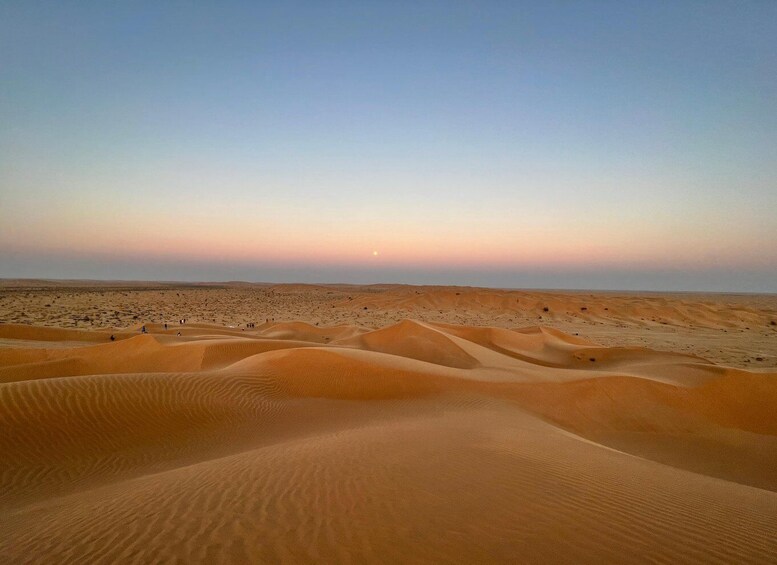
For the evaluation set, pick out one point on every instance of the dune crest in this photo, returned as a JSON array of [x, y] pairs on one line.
[[415, 441]]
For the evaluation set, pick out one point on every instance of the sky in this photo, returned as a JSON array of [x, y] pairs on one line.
[[591, 145]]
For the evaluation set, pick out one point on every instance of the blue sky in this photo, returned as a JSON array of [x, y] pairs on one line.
[[566, 144]]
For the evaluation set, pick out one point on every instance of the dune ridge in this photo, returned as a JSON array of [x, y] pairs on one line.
[[729, 329], [417, 441]]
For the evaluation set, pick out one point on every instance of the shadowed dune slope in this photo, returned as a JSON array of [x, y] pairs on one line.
[[415, 442], [416, 341]]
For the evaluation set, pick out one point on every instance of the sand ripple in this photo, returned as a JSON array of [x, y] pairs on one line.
[[415, 442]]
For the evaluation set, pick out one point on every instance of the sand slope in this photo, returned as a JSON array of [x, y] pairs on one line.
[[415, 442], [730, 329]]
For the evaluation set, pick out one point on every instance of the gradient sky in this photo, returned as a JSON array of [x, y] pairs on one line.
[[610, 145]]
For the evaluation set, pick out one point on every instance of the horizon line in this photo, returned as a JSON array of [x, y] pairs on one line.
[[331, 284]]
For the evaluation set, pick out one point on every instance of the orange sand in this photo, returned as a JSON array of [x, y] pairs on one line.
[[414, 441]]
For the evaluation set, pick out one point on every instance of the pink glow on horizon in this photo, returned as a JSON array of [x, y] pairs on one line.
[[434, 251], [320, 239], [434, 236]]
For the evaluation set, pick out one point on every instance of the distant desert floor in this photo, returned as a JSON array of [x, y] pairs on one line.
[[385, 423]]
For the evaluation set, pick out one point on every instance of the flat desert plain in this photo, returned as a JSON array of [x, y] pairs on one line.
[[385, 423]]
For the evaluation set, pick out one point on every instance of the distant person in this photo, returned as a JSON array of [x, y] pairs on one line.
[[165, 326], [143, 329], [113, 337], [179, 334]]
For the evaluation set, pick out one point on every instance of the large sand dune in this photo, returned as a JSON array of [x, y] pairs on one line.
[[416, 441]]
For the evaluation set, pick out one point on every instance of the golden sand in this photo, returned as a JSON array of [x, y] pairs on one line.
[[393, 424]]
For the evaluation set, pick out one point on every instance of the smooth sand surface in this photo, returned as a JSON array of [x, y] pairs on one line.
[[385, 424]]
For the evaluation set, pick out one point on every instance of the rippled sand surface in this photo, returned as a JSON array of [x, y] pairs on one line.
[[468, 431]]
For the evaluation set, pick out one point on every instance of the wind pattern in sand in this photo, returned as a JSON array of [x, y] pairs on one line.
[[418, 441]]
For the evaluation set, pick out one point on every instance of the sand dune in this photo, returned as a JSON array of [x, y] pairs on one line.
[[417, 441], [734, 330]]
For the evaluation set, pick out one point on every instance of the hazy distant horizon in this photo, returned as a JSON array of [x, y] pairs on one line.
[[654, 281], [605, 145]]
